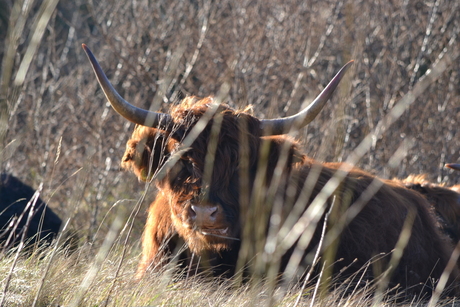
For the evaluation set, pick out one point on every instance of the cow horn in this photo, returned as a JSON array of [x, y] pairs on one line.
[[124, 108], [283, 125], [454, 166]]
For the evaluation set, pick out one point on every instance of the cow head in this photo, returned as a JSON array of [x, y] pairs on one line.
[[204, 200]]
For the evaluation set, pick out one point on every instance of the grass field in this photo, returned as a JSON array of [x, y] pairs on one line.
[[402, 96], [84, 279]]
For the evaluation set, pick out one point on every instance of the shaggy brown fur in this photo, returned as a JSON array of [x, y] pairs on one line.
[[444, 200], [219, 203]]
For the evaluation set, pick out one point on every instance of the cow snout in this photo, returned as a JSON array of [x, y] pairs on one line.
[[203, 216]]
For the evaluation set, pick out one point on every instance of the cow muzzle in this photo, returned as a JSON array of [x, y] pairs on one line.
[[204, 216], [208, 220]]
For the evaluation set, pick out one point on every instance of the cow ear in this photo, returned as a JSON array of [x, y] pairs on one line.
[[129, 152], [146, 151]]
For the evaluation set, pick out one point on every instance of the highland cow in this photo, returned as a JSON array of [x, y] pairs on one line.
[[221, 171], [43, 225]]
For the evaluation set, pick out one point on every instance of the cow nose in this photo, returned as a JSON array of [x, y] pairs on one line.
[[203, 215]]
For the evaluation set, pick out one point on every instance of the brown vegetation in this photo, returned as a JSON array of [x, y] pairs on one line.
[[274, 55]]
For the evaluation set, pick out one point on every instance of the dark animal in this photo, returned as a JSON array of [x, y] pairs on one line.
[[211, 206], [14, 197]]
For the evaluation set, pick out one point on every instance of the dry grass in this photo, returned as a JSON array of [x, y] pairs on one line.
[[69, 283], [55, 128]]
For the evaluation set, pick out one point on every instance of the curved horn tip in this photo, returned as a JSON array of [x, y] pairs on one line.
[[347, 64], [454, 166], [85, 47], [283, 125], [89, 54], [132, 113]]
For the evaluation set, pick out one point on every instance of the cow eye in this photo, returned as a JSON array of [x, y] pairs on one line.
[[187, 166]]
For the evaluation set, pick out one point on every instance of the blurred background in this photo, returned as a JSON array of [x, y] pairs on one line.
[[58, 129]]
